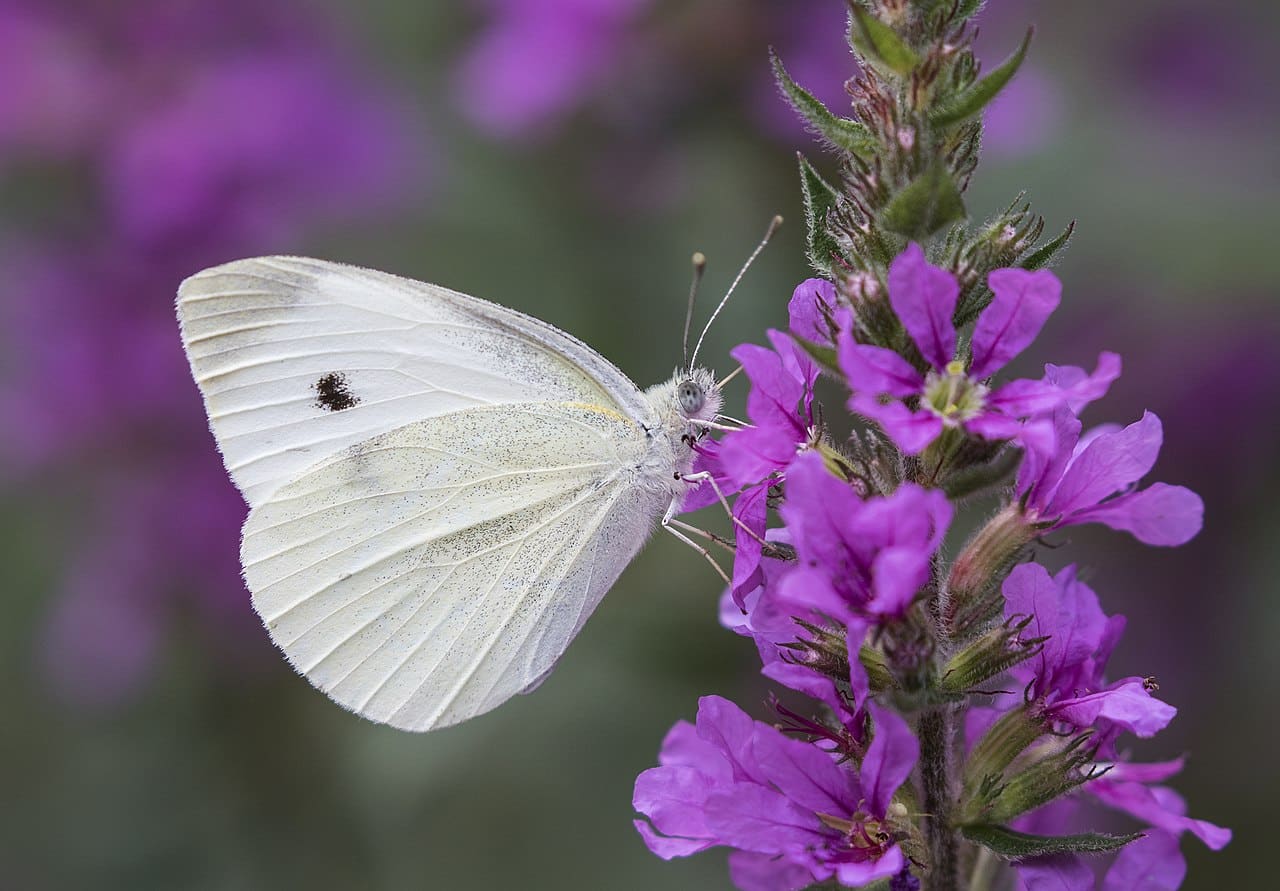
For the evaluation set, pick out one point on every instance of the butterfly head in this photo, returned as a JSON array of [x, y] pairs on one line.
[[697, 396]]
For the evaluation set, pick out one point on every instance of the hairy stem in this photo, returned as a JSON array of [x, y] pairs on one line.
[[936, 731]]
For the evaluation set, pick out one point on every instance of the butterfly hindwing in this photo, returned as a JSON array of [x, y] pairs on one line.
[[428, 574]]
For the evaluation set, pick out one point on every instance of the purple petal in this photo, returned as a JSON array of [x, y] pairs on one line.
[[993, 427], [1158, 805], [799, 365], [1126, 704], [873, 370], [1109, 464], [807, 592], [722, 724], [805, 680], [1042, 468], [1023, 398], [675, 799], [897, 574], [812, 302], [890, 758], [808, 776], [1080, 388], [912, 431], [1023, 302], [1150, 772], [667, 848], [1152, 863], [756, 818], [924, 297], [707, 459], [1158, 515], [1061, 872], [764, 872], [855, 875], [682, 747]]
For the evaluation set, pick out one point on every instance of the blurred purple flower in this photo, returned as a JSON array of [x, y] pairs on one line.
[[200, 131], [258, 149], [1093, 479], [792, 813], [536, 60]]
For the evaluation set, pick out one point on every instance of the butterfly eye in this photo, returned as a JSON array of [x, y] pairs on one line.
[[691, 398]]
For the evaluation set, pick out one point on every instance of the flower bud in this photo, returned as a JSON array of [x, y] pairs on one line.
[[973, 590]]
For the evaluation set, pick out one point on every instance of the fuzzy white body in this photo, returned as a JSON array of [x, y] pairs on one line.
[[441, 489]]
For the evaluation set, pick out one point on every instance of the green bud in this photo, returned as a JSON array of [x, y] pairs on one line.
[[1042, 781], [990, 655], [973, 595], [1006, 739], [979, 478], [1044, 255]]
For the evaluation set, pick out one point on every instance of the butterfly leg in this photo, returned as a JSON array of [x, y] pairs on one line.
[[706, 477], [669, 523]]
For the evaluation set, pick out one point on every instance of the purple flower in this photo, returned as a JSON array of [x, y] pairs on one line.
[[1067, 676], [792, 814], [1093, 479], [858, 557], [539, 59], [953, 395]]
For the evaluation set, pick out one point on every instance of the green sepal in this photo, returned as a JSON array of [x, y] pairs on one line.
[[1014, 845], [971, 100], [1003, 742], [990, 655], [1045, 253], [929, 203], [877, 42], [848, 135], [1039, 783], [820, 199], [967, 9]]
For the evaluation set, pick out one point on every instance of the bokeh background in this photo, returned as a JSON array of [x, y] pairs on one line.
[[563, 157]]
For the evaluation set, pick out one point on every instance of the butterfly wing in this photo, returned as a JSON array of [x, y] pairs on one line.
[[427, 575], [299, 359]]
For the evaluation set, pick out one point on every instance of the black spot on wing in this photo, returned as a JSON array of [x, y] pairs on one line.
[[332, 392]]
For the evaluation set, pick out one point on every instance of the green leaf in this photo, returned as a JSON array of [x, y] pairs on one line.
[[851, 136], [820, 198], [928, 204], [1016, 845], [976, 96], [1046, 253], [967, 9], [878, 42]]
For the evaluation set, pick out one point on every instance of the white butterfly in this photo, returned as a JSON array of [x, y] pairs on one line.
[[441, 489]]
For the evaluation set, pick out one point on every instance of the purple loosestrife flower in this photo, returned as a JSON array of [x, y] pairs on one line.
[[793, 814], [953, 393], [1066, 677], [857, 558], [1093, 479]]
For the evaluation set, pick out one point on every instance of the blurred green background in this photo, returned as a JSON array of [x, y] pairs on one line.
[[565, 159]]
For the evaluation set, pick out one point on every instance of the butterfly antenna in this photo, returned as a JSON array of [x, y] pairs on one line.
[[699, 267], [773, 227]]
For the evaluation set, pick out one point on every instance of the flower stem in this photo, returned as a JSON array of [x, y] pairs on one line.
[[936, 732]]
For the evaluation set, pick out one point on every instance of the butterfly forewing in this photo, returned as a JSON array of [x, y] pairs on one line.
[[299, 359], [428, 574]]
